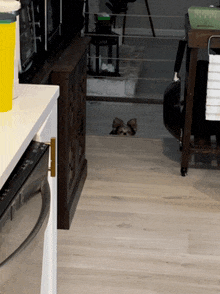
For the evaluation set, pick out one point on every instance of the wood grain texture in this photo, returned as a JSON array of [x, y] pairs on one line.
[[70, 74], [139, 226]]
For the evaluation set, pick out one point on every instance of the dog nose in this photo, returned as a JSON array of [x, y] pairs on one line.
[[124, 134]]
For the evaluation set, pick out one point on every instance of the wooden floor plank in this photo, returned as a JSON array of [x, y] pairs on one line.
[[139, 226]]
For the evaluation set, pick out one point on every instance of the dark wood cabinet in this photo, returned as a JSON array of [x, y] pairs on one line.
[[69, 72], [63, 63]]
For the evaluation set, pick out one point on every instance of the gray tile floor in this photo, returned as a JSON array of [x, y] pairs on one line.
[[157, 66], [149, 117]]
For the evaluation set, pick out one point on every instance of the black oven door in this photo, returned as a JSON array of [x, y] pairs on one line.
[[52, 21], [24, 214], [28, 46], [32, 32]]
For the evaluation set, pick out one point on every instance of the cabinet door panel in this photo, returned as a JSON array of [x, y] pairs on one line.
[[70, 74]]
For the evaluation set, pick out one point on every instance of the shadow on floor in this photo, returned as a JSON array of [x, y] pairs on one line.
[[171, 149]]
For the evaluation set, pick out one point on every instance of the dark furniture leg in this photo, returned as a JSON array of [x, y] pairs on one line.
[[124, 24], [117, 56], [97, 59], [150, 19], [189, 108], [86, 16], [110, 54], [89, 58]]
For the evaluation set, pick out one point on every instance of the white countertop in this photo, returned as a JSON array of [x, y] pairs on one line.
[[19, 126]]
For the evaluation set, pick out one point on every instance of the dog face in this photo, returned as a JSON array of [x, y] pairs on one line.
[[121, 129]]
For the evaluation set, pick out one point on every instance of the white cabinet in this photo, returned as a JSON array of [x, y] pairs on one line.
[[33, 117], [49, 272]]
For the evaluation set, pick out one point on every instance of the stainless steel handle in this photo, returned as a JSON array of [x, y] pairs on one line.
[[45, 194]]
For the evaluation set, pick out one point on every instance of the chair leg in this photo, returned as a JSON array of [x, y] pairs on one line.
[[110, 54], [124, 24], [117, 56], [218, 147], [89, 57], [188, 111], [86, 17], [97, 59], [150, 19]]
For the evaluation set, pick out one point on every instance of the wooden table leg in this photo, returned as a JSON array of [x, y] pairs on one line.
[[189, 109]]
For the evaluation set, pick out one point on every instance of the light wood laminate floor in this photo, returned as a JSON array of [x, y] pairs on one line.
[[141, 228]]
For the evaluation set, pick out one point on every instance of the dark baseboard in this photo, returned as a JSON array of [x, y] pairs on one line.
[[124, 99]]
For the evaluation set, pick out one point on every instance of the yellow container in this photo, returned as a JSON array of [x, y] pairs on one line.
[[7, 53]]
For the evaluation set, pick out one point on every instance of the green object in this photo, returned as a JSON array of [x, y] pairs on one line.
[[7, 18], [204, 18], [103, 17]]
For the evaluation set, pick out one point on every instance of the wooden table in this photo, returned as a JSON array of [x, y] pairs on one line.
[[196, 39]]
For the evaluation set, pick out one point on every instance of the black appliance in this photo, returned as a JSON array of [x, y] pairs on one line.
[[28, 46], [46, 26], [53, 19], [32, 28], [40, 28]]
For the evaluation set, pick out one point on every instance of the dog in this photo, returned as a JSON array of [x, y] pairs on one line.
[[121, 129]]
